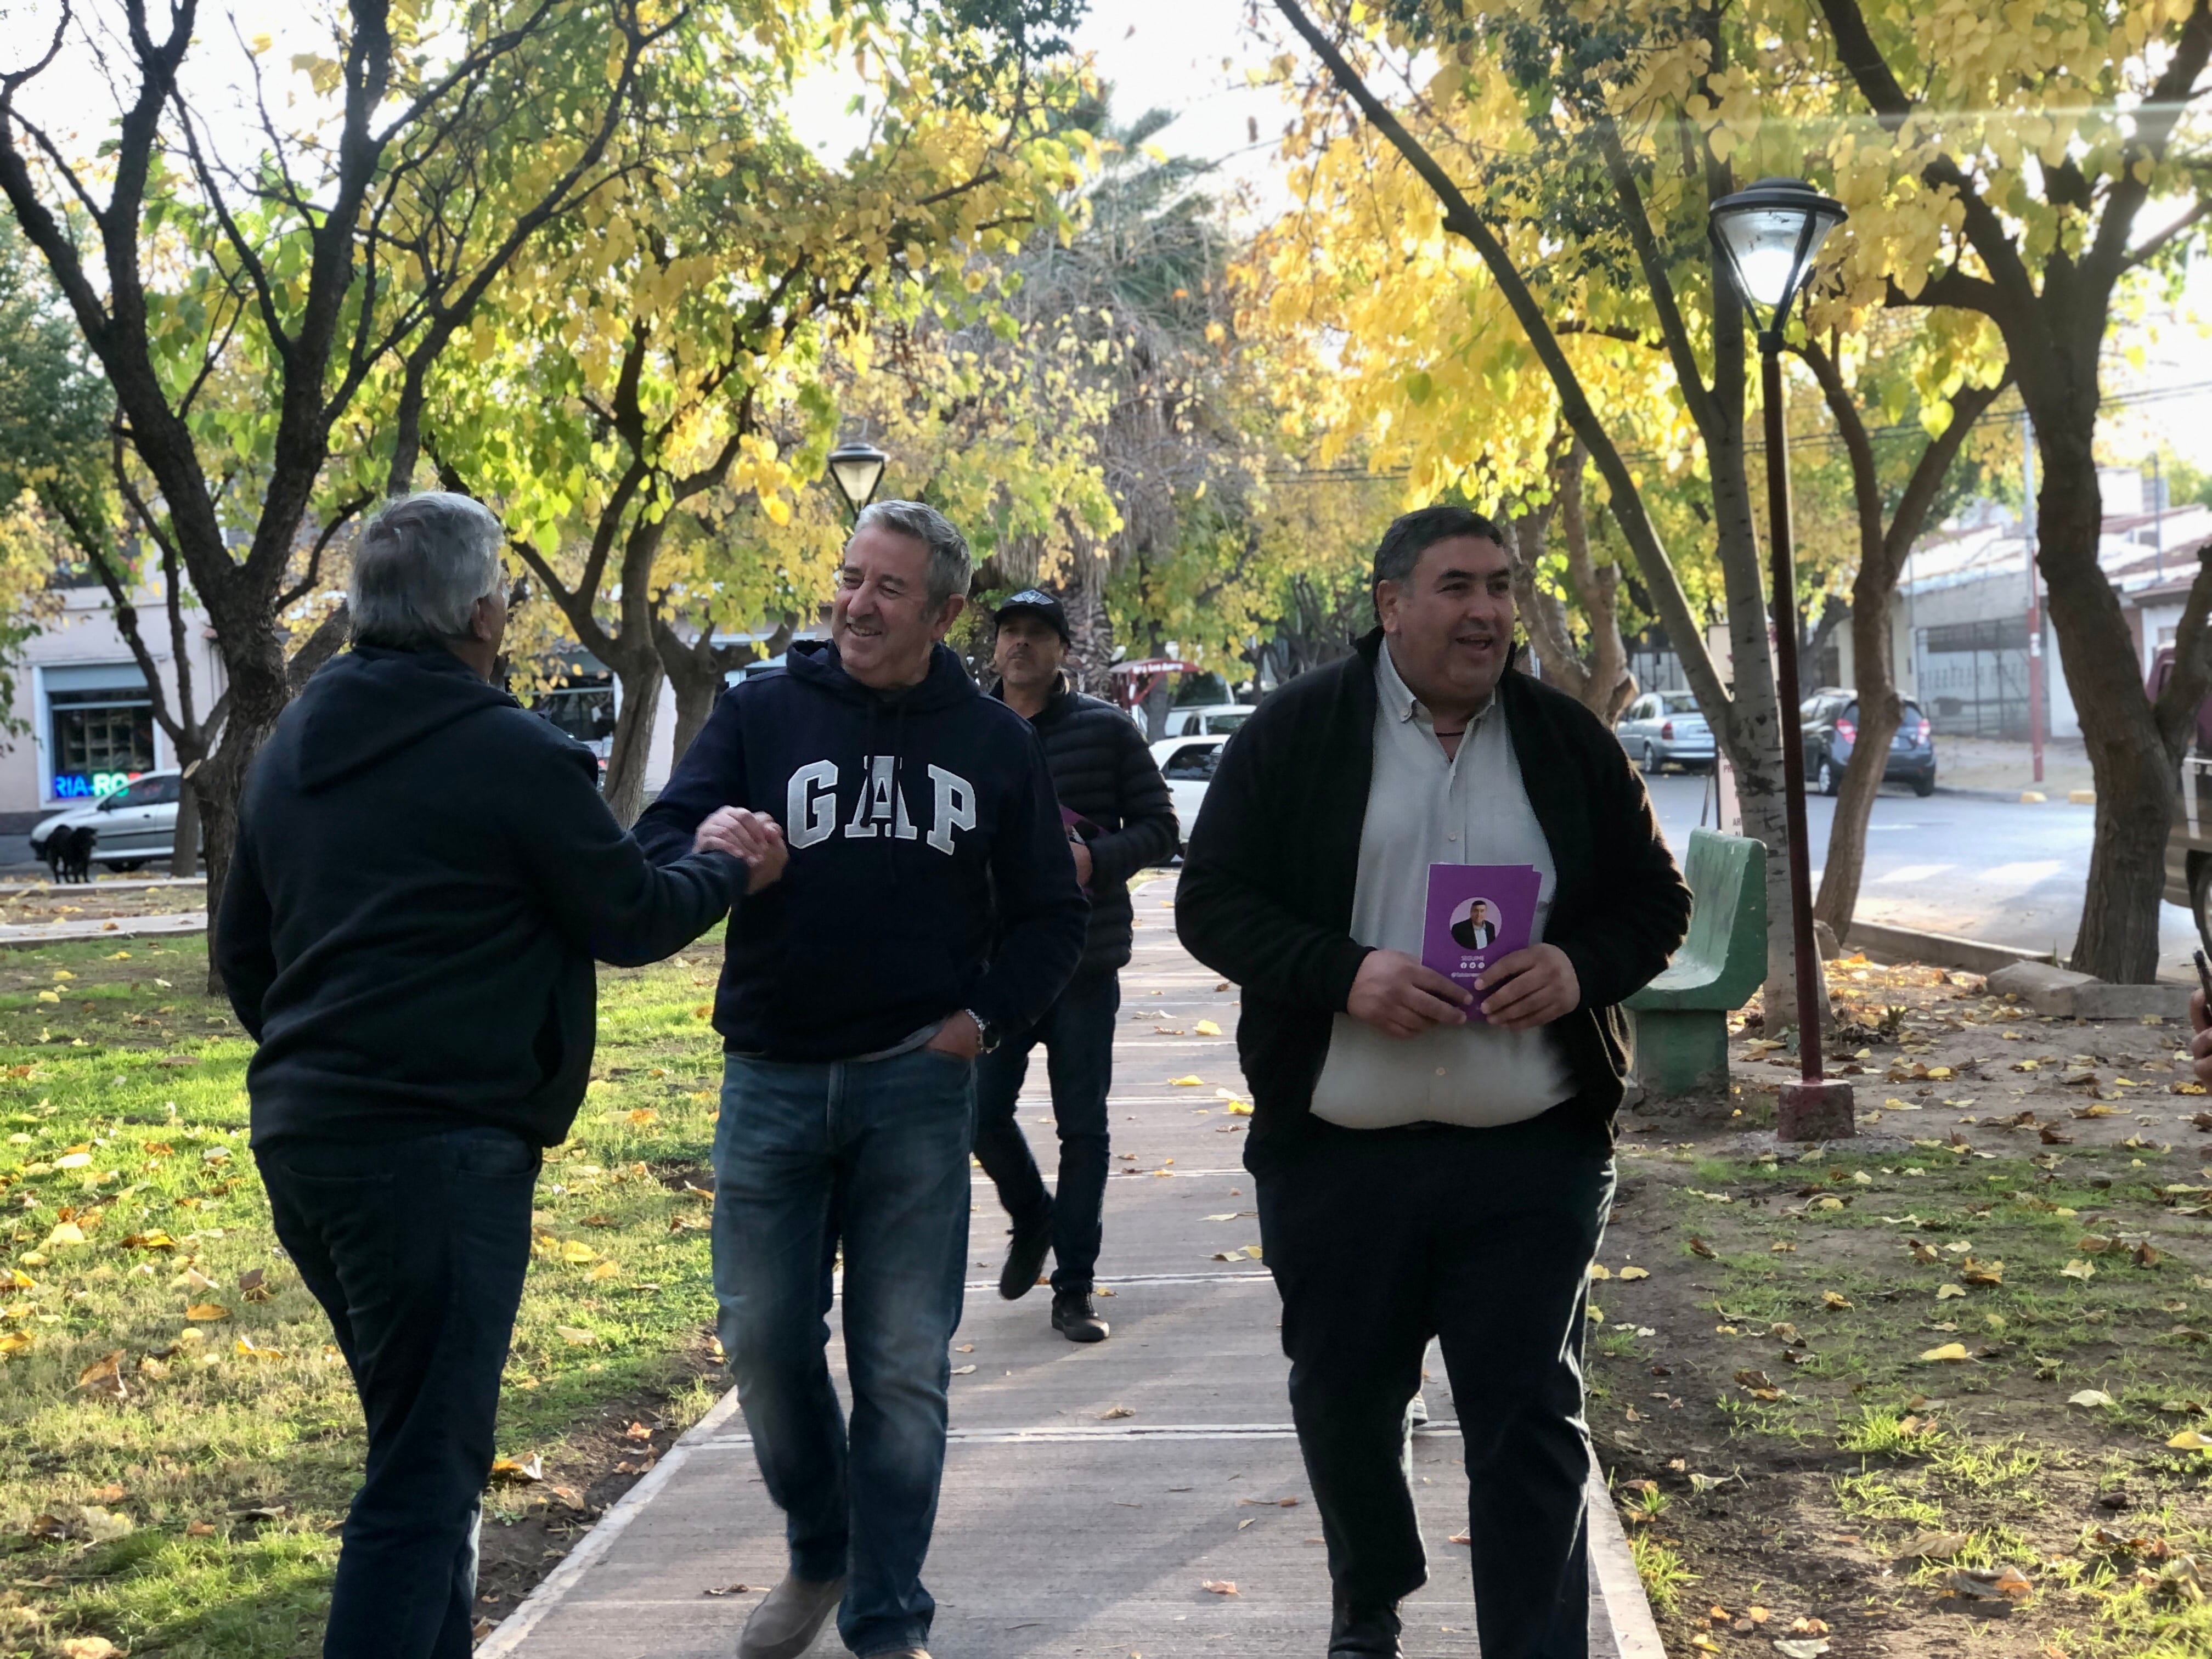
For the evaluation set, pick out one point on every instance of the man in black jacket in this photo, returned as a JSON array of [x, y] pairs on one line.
[[423, 876], [1432, 1160], [1120, 817]]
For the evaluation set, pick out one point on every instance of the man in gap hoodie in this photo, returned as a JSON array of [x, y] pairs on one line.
[[930, 906], [423, 876]]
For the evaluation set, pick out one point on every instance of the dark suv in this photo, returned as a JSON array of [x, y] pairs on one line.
[[1829, 718]]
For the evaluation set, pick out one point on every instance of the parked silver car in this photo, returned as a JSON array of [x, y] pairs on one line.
[[131, 826], [1664, 728]]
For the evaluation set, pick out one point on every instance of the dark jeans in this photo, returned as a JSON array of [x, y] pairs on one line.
[[1379, 1239], [1077, 1035], [871, 1158], [417, 1249]]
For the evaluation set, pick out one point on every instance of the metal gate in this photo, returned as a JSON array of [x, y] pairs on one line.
[[1973, 679]]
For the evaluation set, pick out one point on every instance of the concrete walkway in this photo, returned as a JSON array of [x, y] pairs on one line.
[[1090, 1494], [17, 934]]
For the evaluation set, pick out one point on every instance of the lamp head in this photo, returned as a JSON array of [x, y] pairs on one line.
[[857, 468], [1768, 236]]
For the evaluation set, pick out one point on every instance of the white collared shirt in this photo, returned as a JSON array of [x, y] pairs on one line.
[[1422, 809]]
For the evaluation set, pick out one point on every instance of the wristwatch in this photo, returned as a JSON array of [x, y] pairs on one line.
[[987, 1033]]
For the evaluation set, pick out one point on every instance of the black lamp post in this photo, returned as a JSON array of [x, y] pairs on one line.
[[1767, 237], [857, 468]]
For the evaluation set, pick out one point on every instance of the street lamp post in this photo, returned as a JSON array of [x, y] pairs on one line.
[[857, 468], [1767, 236]]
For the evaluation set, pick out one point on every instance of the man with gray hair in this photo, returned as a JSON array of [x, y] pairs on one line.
[[423, 877], [930, 906]]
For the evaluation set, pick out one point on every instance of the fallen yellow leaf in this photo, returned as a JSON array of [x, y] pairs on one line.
[[1950, 1352], [1633, 1273], [1207, 1028], [2189, 1440], [571, 1335], [207, 1312], [576, 1251], [1192, 1082]]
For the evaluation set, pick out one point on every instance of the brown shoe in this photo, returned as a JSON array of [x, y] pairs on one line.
[[789, 1618]]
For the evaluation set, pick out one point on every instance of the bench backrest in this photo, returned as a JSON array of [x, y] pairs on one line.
[[1728, 924]]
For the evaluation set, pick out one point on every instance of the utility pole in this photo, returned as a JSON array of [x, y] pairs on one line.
[[2034, 594], [2158, 513]]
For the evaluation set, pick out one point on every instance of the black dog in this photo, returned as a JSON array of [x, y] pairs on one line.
[[69, 853]]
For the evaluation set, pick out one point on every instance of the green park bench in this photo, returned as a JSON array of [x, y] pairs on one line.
[[1681, 1016]]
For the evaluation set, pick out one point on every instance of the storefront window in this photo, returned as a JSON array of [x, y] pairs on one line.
[[100, 737]]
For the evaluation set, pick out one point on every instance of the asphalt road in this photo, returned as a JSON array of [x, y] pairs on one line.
[[1993, 870]]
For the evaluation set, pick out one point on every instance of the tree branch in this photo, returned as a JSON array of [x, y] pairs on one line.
[[1460, 218]]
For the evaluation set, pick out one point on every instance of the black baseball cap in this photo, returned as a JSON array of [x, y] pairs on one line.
[[1036, 602]]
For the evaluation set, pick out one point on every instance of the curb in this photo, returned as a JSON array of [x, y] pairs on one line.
[[507, 1635], [1973, 956], [1627, 1609]]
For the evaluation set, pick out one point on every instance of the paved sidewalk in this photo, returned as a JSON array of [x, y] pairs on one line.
[[15, 935], [1090, 1494], [2003, 766]]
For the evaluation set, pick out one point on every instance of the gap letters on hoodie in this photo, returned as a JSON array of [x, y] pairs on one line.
[[812, 815]]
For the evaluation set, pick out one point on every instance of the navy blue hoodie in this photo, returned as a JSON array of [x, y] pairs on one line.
[[929, 871], [423, 876]]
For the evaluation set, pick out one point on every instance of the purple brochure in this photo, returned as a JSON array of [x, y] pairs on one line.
[[1477, 913]]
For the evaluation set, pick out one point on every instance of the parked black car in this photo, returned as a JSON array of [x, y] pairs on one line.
[[1829, 719]]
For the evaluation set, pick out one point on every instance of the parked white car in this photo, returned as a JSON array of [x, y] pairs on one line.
[[132, 826], [1187, 764], [1204, 720]]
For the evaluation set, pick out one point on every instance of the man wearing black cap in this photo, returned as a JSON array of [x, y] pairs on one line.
[[1120, 818]]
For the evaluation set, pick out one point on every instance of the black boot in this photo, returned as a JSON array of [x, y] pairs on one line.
[[1364, 1632], [1025, 1255], [1073, 1318]]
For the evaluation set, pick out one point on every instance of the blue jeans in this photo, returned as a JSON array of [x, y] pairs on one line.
[[417, 1249], [1077, 1035], [871, 1158]]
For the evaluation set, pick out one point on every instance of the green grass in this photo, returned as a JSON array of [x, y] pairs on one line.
[[1986, 1451], [123, 1119], [1664, 1575]]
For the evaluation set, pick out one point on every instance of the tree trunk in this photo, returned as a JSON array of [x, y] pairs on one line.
[[258, 694], [1751, 721], [624, 786], [1157, 702], [1880, 714], [185, 854], [1091, 654], [2118, 936]]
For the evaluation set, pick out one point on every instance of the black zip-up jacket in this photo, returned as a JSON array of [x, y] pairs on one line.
[[1269, 874], [423, 874], [1105, 774], [928, 872]]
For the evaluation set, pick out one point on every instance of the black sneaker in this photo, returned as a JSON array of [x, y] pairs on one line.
[[1025, 1257], [1364, 1632], [1073, 1317]]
